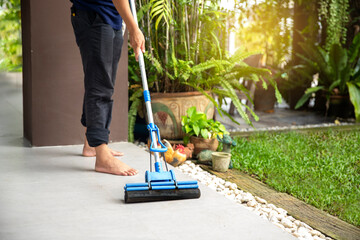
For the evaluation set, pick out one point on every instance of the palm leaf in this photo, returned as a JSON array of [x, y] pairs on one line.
[[354, 49], [237, 103], [354, 92]]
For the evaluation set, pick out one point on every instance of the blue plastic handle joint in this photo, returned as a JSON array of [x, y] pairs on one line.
[[153, 128], [147, 96]]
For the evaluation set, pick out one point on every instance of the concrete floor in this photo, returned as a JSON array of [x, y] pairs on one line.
[[53, 193]]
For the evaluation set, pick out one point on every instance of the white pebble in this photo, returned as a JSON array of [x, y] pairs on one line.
[[279, 217], [297, 223], [266, 210], [251, 203], [272, 206], [296, 235], [315, 233], [247, 197], [291, 218], [281, 211], [279, 225], [260, 200], [273, 219], [233, 186], [306, 226], [303, 231], [287, 223]]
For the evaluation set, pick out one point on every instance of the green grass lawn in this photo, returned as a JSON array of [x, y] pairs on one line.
[[322, 169]]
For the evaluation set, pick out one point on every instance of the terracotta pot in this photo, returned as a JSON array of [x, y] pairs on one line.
[[264, 100], [203, 144], [169, 107]]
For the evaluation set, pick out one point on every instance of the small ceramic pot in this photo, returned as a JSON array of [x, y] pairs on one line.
[[220, 161]]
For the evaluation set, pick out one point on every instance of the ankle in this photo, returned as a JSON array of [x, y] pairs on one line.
[[102, 147], [102, 150]]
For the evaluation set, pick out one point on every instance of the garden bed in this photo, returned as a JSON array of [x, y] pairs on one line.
[[320, 168]]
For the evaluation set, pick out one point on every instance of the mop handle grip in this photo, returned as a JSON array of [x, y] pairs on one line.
[[153, 128]]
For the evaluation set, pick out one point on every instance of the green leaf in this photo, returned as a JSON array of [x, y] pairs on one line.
[[205, 133], [183, 120], [338, 59], [277, 92], [236, 101], [196, 129], [191, 111], [307, 95], [313, 89], [186, 139], [302, 100], [188, 129], [354, 49], [354, 92], [158, 21]]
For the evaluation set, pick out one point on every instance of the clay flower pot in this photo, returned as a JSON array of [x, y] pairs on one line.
[[169, 107], [203, 144]]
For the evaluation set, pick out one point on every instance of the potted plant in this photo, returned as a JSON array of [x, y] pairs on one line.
[[185, 57], [201, 131], [338, 73]]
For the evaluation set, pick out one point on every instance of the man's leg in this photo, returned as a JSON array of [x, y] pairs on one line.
[[95, 40], [90, 151]]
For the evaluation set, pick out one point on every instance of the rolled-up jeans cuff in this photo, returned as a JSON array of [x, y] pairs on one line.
[[97, 136]]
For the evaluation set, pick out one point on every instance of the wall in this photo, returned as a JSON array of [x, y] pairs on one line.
[[53, 78]]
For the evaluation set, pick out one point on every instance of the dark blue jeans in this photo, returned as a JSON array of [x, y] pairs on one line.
[[100, 49]]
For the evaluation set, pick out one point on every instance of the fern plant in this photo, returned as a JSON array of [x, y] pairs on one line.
[[219, 78]]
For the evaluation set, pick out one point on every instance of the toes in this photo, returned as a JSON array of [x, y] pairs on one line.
[[134, 171], [125, 173], [131, 172]]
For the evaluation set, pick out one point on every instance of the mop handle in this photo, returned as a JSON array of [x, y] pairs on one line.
[[152, 127]]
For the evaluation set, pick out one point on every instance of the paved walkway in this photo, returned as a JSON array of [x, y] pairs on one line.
[[281, 117], [53, 193]]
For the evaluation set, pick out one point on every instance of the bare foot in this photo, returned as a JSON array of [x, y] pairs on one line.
[[90, 151], [107, 163]]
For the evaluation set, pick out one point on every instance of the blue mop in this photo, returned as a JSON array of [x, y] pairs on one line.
[[159, 184]]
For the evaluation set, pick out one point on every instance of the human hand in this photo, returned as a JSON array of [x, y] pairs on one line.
[[137, 42]]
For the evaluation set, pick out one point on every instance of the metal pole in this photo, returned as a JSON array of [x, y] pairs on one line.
[[145, 85]]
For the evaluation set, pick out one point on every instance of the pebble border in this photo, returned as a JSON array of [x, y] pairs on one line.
[[259, 206]]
